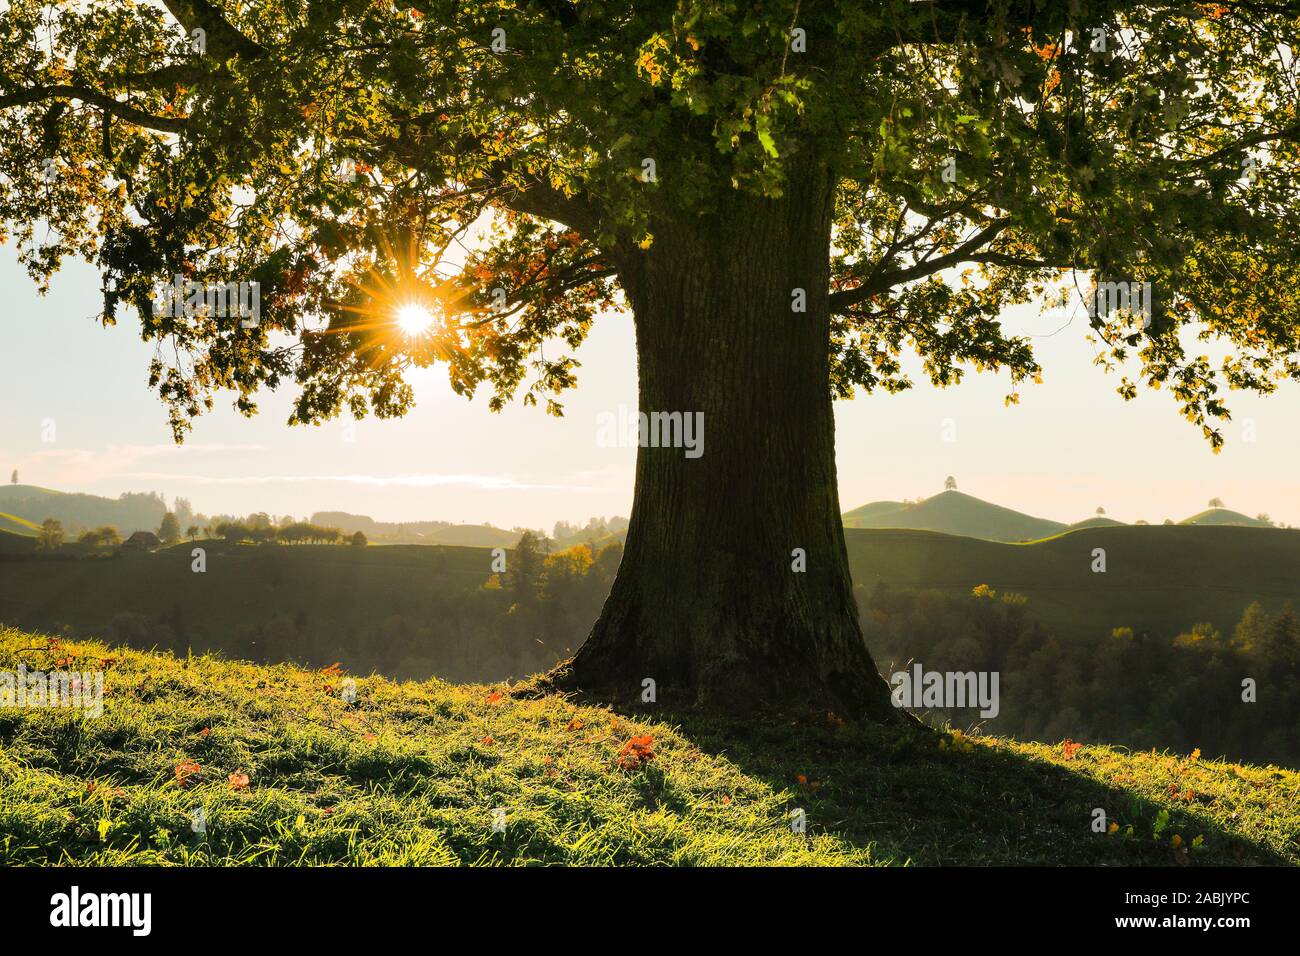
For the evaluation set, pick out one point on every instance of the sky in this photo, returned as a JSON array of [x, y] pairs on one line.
[[76, 415]]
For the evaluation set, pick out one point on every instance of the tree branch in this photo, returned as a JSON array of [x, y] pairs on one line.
[[884, 281], [221, 40], [164, 78], [125, 111], [1287, 132], [541, 200]]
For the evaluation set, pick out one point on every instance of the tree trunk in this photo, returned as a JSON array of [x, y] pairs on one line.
[[707, 601]]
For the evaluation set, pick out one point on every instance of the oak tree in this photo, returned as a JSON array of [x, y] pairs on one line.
[[787, 195]]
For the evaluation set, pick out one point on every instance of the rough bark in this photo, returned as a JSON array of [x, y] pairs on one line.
[[706, 601]]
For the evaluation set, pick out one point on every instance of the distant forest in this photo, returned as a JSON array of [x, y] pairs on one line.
[[1181, 691]]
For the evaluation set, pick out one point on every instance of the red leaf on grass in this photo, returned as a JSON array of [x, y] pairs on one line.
[[636, 753]]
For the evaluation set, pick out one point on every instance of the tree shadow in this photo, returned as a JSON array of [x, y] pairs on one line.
[[910, 794]]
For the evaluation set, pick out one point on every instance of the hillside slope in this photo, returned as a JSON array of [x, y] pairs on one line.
[[16, 525], [419, 532], [128, 513], [1224, 516], [13, 543], [1160, 578], [335, 586], [289, 773], [1096, 521], [952, 512]]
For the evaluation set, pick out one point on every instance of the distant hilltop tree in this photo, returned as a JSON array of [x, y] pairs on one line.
[[1216, 503], [1100, 510], [950, 483], [13, 479], [359, 540]]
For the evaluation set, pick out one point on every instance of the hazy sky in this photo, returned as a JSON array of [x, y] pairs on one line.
[[1072, 444]]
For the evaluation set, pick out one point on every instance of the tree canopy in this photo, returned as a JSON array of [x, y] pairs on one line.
[[502, 163], [169, 531]]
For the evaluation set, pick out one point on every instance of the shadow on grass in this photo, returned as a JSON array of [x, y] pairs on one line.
[[896, 793]]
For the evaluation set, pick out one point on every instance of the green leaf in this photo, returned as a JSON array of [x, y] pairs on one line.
[[1162, 821]]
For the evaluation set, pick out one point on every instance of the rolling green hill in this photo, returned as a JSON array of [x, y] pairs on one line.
[[952, 512], [127, 513], [1160, 578], [1096, 521], [12, 491], [418, 532], [15, 525], [288, 773], [11, 543], [1223, 516], [871, 511], [332, 586]]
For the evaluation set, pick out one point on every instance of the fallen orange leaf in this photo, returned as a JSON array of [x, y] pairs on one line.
[[636, 753], [186, 769]]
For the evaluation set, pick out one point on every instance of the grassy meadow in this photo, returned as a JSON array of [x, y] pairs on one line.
[[288, 772]]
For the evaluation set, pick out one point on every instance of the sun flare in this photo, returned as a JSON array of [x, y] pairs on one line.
[[414, 319]]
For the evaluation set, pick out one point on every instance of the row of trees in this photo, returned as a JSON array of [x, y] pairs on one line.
[[566, 533], [298, 532], [51, 535], [258, 527], [261, 528]]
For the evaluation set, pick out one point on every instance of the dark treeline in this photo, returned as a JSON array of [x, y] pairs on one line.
[[257, 529], [296, 532], [1178, 692]]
